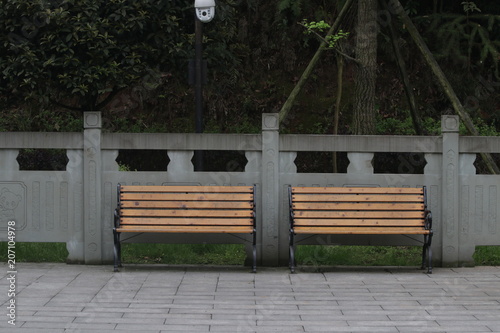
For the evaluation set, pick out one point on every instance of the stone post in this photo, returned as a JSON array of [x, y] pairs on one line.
[[180, 161], [467, 219], [360, 163], [269, 230], [450, 191], [76, 241], [8, 160], [92, 176]]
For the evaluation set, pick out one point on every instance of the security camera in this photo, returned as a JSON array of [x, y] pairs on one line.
[[205, 10]]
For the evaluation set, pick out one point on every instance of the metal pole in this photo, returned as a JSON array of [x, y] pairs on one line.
[[198, 157]]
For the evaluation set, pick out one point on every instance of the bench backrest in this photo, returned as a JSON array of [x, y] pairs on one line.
[[200, 208], [358, 209]]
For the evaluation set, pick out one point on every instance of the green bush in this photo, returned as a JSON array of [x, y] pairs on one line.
[[403, 125]]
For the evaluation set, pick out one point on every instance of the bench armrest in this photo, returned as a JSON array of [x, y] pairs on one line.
[[117, 210], [428, 220], [290, 209], [117, 218]]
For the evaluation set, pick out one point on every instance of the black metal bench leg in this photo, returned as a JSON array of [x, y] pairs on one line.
[[254, 253], [429, 253], [119, 252], [116, 251], [292, 254], [424, 253], [429, 257]]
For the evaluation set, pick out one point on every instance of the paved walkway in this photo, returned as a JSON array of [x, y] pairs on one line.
[[70, 298]]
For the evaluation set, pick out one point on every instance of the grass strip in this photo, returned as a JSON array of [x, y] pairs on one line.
[[234, 254], [188, 254], [320, 255]]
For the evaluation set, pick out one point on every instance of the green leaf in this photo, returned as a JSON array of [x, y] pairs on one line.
[[49, 61]]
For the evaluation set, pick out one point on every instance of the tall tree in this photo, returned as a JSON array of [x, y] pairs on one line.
[[366, 69]]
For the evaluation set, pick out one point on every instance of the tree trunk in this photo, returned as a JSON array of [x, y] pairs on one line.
[[336, 117], [417, 124], [338, 101], [366, 70]]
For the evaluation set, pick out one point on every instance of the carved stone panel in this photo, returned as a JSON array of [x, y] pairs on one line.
[[12, 204]]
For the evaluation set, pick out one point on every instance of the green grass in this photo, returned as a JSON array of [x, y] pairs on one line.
[[190, 254], [210, 254], [214, 254], [487, 255], [318, 255], [36, 252]]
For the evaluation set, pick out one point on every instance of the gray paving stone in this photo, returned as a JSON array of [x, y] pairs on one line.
[[444, 329], [121, 330], [28, 300], [38, 330], [313, 328], [47, 308], [493, 325], [438, 330], [68, 298], [379, 311], [260, 329], [185, 317], [50, 318], [59, 297], [164, 328], [450, 317], [82, 327], [110, 320], [72, 314], [395, 323]]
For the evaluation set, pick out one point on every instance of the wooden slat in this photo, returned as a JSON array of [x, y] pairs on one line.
[[183, 221], [190, 189], [359, 222], [356, 198], [374, 206], [187, 229], [361, 230], [188, 204], [342, 190], [187, 209], [186, 213], [188, 196], [363, 214]]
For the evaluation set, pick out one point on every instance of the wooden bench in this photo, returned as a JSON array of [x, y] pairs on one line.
[[360, 210], [184, 209]]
